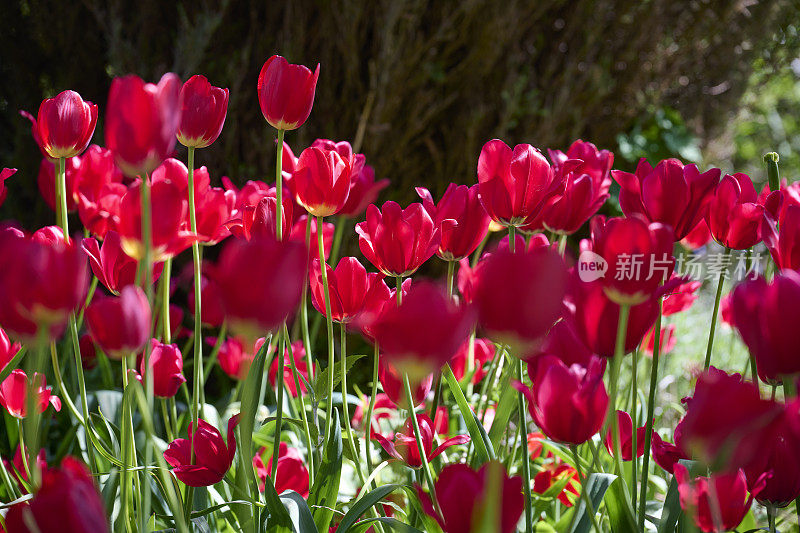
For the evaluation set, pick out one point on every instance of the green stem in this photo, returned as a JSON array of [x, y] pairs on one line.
[[371, 407], [279, 192], [635, 424], [420, 448], [345, 405], [303, 415], [512, 238], [398, 293], [619, 352], [167, 423], [582, 479], [166, 274], [341, 222], [477, 253], [562, 244], [23, 450], [147, 261], [437, 387], [279, 388], [526, 467], [61, 190], [711, 332], [329, 324], [304, 314], [651, 406], [212, 358]]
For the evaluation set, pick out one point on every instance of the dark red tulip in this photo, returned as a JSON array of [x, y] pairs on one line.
[[203, 112], [563, 342], [784, 243], [716, 503], [67, 501], [681, 297], [406, 338], [7, 349], [519, 295], [671, 193], [364, 189], [665, 454], [261, 282], [405, 449], [782, 484], [483, 352], [321, 182], [348, 285], [298, 233], [259, 220], [766, 315], [291, 474], [88, 352], [7, 173], [166, 363], [397, 241], [141, 122], [735, 217], [596, 163], [392, 384], [65, 124], [286, 93], [625, 430], [120, 325], [46, 181], [211, 314], [727, 423], [113, 267], [514, 185], [213, 458], [638, 254], [235, 357], [467, 280], [377, 298], [463, 497], [299, 356], [554, 473], [568, 403], [460, 217], [16, 468], [698, 237], [14, 394]]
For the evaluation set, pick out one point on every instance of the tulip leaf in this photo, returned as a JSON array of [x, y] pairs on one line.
[[321, 381], [671, 510], [279, 520], [578, 520], [505, 407], [393, 523], [483, 446], [298, 510], [364, 503], [325, 491], [619, 509], [11, 365]]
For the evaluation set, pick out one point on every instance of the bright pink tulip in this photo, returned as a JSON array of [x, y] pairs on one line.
[[348, 285], [4, 175], [563, 342], [735, 217], [204, 108], [14, 394], [784, 243], [102, 214], [483, 352], [234, 357], [213, 458], [460, 217], [321, 182], [299, 356], [166, 363], [377, 298], [625, 430], [392, 384], [46, 181], [698, 237], [681, 297], [404, 448], [298, 233], [65, 124], [95, 173], [665, 454], [667, 340], [286, 93], [291, 474], [113, 267], [259, 220], [7, 349], [120, 325]]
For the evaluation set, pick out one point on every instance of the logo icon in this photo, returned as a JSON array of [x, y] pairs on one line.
[[591, 266]]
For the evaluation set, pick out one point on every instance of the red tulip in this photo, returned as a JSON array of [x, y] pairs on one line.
[[101, 215], [291, 474], [95, 171], [384, 409], [259, 220], [120, 325], [377, 298], [563, 342], [234, 357], [716, 503], [735, 217], [463, 497], [299, 356], [261, 282], [203, 112], [519, 294], [211, 314], [460, 217], [625, 430], [113, 267], [596, 163], [467, 280], [14, 394], [88, 352], [7, 173], [392, 384], [554, 473], [782, 485], [483, 352], [698, 237], [141, 122], [667, 340], [404, 448], [348, 285], [213, 458], [7, 349], [166, 362], [67, 501], [364, 189], [298, 233], [665, 454], [46, 181], [406, 338], [16, 468], [639, 256], [65, 124], [671, 193], [784, 243], [681, 297], [568, 403], [321, 182], [286, 93], [514, 186]]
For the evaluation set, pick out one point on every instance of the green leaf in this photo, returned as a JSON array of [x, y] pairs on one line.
[[483, 446], [325, 491], [671, 509], [596, 486], [393, 523], [11, 365], [619, 510], [299, 512], [279, 520], [321, 382], [506, 406], [364, 503]]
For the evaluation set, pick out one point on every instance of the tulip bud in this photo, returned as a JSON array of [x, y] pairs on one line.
[[120, 325], [212, 457], [204, 108], [286, 93], [65, 124]]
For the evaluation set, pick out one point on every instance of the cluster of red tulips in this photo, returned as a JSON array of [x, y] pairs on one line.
[[443, 440]]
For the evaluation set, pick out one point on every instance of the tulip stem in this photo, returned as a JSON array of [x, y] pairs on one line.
[[341, 221], [562, 244], [512, 238], [371, 407], [771, 517], [720, 283], [398, 293], [635, 425], [420, 448], [165, 280], [279, 191], [582, 479], [147, 261], [61, 190], [651, 401], [279, 387], [619, 352], [328, 318], [304, 313], [303, 415], [345, 407], [526, 467], [23, 451], [167, 422]]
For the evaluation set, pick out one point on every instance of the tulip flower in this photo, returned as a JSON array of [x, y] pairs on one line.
[[665, 454], [554, 472], [625, 429], [483, 352], [102, 214], [716, 503], [596, 163], [292, 473], [784, 243], [67, 501], [120, 325], [667, 340], [735, 217], [298, 353], [321, 181], [681, 297], [212, 314], [286, 93], [113, 267], [65, 124], [203, 112], [364, 189], [672, 193], [14, 394], [348, 284], [782, 482], [392, 384], [397, 241], [377, 298], [463, 498], [460, 217], [563, 342], [384, 409], [404, 448], [519, 295], [166, 362], [261, 282], [406, 338], [298, 233], [577, 410], [698, 237], [259, 220], [88, 352], [514, 185], [7, 349], [46, 182], [213, 458], [141, 122], [766, 314], [235, 357], [7, 173], [95, 171], [16, 468]]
